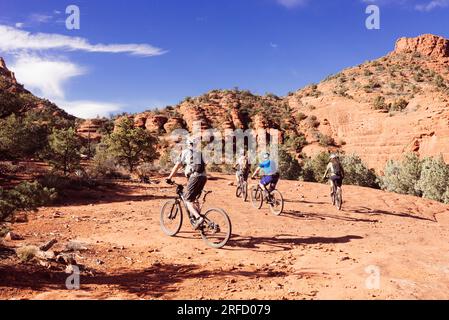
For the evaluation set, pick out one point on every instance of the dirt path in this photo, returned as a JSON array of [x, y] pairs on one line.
[[310, 252]]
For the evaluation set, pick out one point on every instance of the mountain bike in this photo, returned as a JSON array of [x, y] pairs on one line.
[[273, 198], [242, 189], [337, 196], [215, 230]]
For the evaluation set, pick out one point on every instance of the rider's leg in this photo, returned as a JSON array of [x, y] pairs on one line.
[[194, 188], [331, 182], [193, 209]]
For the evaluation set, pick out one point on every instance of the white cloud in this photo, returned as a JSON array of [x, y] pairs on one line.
[[44, 76], [13, 40], [89, 109], [435, 4], [292, 3], [19, 25], [47, 77]]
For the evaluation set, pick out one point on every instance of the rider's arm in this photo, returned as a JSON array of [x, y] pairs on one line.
[[175, 169], [255, 173], [325, 174]]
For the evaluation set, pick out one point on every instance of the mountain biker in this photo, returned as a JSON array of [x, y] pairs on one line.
[[270, 173], [335, 169], [242, 166], [195, 171]]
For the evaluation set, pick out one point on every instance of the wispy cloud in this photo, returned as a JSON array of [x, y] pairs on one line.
[[435, 4], [292, 3], [13, 39], [419, 5], [40, 18]]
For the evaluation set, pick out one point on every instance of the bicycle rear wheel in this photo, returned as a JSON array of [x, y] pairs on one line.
[[256, 197], [276, 203], [171, 218], [338, 199], [216, 229]]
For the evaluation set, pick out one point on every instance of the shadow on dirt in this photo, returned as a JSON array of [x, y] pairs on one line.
[[155, 281], [322, 216], [282, 242], [6, 253], [113, 194], [374, 212]]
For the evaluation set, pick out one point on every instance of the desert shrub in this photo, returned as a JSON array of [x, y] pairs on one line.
[[434, 180], [295, 142], [64, 150], [314, 168], [313, 122], [380, 104], [402, 177], [357, 173], [418, 77], [399, 105], [144, 171], [103, 165], [55, 181], [24, 197], [300, 117], [439, 81], [325, 140], [289, 167]]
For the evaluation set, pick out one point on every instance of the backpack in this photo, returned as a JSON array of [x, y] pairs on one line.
[[337, 169], [198, 167]]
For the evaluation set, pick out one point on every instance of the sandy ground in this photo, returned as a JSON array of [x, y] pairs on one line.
[[382, 246]]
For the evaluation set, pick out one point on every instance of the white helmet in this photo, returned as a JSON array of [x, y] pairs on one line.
[[266, 156], [333, 156]]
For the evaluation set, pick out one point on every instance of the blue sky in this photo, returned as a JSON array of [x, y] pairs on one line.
[[137, 54]]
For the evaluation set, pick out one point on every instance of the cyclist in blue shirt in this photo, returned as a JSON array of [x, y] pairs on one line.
[[270, 173]]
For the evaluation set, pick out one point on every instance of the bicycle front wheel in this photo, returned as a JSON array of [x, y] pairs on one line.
[[245, 191], [256, 197], [171, 218], [216, 230], [238, 191], [276, 203]]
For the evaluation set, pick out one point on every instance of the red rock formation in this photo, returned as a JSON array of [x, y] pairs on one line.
[[156, 123], [427, 45]]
